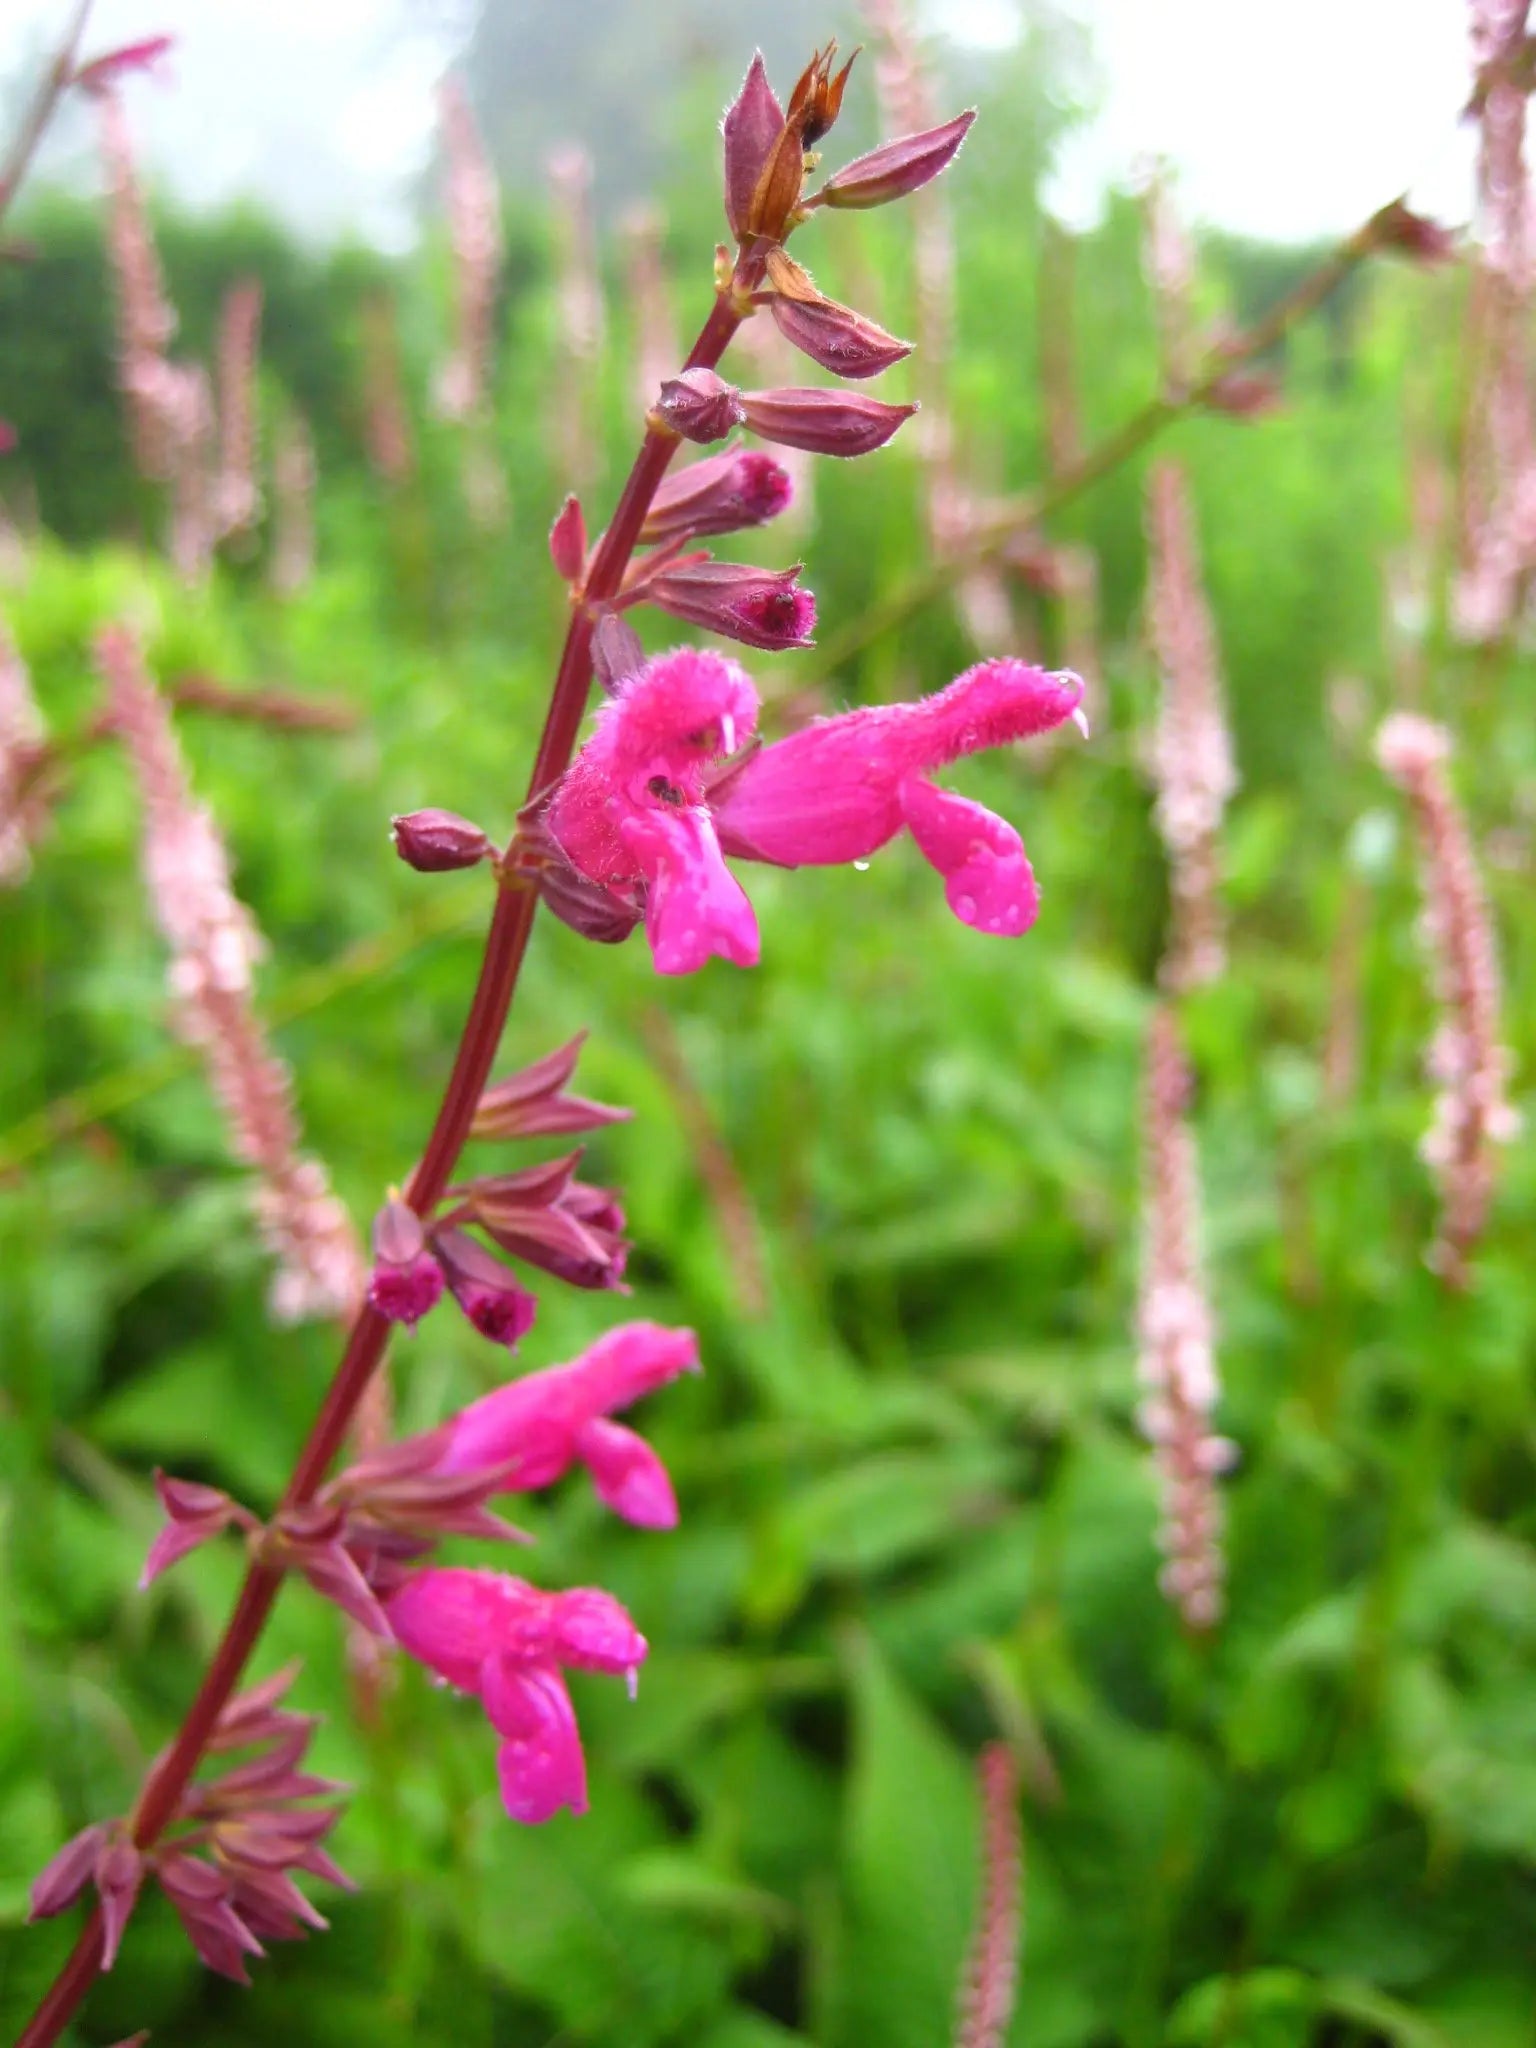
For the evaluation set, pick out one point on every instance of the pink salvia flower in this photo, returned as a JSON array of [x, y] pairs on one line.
[[629, 814], [1472, 1111], [990, 1978], [1191, 760], [506, 1642], [1177, 1366], [474, 227], [23, 800], [236, 497], [532, 1430], [214, 946], [407, 1281], [843, 787]]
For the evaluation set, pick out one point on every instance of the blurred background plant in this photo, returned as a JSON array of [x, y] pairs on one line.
[[891, 1176]]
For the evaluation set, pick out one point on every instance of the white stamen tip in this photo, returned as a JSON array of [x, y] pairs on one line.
[[727, 733], [1080, 720]]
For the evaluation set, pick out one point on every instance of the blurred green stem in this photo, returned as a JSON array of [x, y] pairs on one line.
[[52, 87], [505, 947], [1019, 515]]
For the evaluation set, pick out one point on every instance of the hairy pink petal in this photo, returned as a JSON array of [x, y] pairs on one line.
[[591, 1631], [695, 907], [540, 1762], [988, 882], [628, 1475]]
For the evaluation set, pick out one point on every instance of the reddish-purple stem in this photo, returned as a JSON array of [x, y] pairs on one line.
[[506, 942]]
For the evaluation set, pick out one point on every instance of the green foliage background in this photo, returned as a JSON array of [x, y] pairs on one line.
[[915, 1508]]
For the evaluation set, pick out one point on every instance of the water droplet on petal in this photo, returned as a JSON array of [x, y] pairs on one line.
[[862, 866]]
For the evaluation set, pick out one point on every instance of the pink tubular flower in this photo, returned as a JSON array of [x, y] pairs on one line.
[[539, 1426], [214, 947], [1472, 1111], [506, 1642], [841, 788], [639, 815], [1178, 1365]]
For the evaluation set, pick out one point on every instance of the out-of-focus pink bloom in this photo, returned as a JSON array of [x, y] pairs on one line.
[[1168, 259], [843, 787], [474, 227], [1177, 1366], [145, 319], [236, 497], [214, 946], [293, 490], [992, 1964], [507, 1642], [720, 494], [23, 796], [656, 350], [7, 437], [147, 54], [766, 608], [539, 1426], [1191, 761], [186, 405], [1472, 1110], [897, 168]]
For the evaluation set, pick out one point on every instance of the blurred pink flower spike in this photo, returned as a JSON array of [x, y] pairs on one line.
[[897, 168], [722, 493], [840, 789], [7, 437], [103, 72], [823, 422], [406, 1280], [506, 1642], [764, 608], [750, 129], [534, 1429], [194, 1516]]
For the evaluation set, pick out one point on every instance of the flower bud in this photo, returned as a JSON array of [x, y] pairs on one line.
[[568, 541], [751, 127], [616, 651], [760, 607], [697, 405], [719, 494], [485, 1290], [834, 336], [821, 421], [433, 841], [406, 1280], [897, 168]]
